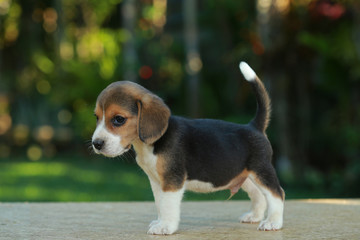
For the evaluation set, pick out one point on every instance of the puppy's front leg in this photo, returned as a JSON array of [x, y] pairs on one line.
[[169, 212], [156, 189]]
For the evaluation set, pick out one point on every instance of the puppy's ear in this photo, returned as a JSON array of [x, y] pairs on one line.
[[153, 118]]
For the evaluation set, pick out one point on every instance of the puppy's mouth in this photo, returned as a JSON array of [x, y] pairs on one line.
[[112, 154]]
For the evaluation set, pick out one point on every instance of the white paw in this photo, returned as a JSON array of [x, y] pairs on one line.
[[251, 217], [161, 228], [268, 225], [154, 222]]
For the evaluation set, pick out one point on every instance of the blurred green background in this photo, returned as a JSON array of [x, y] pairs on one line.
[[56, 57]]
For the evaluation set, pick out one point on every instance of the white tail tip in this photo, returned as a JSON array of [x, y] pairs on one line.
[[247, 71]]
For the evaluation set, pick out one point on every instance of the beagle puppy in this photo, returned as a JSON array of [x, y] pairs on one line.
[[201, 155]]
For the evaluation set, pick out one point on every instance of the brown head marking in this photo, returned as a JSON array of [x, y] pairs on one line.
[[147, 115]]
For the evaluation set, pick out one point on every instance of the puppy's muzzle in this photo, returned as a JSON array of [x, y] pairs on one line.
[[98, 144]]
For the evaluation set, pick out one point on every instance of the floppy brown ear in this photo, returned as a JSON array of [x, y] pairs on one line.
[[153, 118]]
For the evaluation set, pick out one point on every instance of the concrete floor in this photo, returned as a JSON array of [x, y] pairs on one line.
[[307, 219]]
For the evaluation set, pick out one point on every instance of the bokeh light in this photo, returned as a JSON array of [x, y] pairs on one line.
[[4, 103], [50, 17], [5, 123], [263, 6], [194, 63], [34, 153], [44, 63], [66, 50], [5, 118], [21, 134], [282, 6], [11, 25], [64, 116], [44, 133], [4, 6], [159, 15], [145, 72], [43, 87]]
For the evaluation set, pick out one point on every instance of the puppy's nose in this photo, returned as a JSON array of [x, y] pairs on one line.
[[98, 143]]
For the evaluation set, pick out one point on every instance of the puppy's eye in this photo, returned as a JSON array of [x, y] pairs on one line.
[[118, 121], [97, 118]]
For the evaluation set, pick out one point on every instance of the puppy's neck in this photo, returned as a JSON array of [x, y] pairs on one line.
[[138, 145], [146, 159], [142, 149]]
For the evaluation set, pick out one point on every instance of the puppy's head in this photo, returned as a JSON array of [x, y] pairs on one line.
[[125, 112]]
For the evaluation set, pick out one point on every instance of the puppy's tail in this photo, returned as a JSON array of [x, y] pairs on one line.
[[262, 117]]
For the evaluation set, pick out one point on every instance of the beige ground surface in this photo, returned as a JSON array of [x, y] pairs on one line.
[[308, 219]]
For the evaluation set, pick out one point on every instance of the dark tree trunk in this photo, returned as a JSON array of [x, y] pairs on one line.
[[193, 61]]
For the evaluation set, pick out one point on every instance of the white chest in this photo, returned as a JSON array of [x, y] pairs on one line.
[[147, 160]]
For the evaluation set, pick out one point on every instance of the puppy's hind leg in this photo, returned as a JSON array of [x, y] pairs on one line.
[[258, 203], [266, 180]]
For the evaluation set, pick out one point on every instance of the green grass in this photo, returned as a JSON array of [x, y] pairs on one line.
[[80, 180], [90, 180], [108, 180]]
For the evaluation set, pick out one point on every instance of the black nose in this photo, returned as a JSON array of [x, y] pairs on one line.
[[98, 143]]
